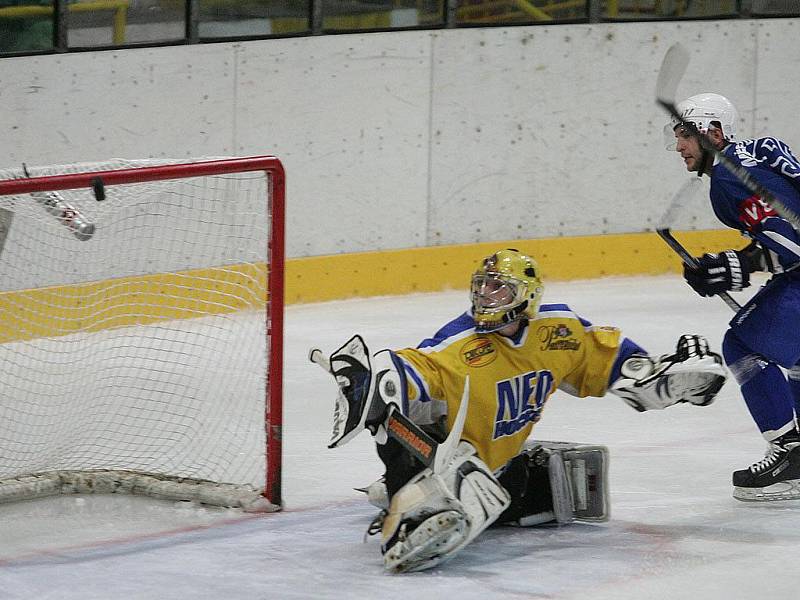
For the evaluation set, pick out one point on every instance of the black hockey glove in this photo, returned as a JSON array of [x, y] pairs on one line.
[[716, 273]]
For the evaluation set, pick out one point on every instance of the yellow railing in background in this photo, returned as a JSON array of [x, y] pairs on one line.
[[498, 11], [507, 11], [120, 8], [477, 12]]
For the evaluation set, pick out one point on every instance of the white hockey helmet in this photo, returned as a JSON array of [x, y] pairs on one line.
[[704, 110]]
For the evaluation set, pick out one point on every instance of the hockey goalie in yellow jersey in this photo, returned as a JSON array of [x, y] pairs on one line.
[[452, 417]]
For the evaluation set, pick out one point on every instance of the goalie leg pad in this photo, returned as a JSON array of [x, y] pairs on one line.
[[435, 515], [692, 374], [425, 524], [557, 482]]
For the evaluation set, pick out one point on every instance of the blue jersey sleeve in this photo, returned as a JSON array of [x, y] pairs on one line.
[[773, 165]]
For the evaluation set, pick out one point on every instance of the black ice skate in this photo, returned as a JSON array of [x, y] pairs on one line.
[[775, 477]]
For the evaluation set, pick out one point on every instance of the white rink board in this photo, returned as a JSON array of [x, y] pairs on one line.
[[560, 135], [349, 118], [778, 58], [417, 138]]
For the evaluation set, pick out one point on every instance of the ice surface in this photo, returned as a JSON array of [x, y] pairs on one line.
[[675, 532]]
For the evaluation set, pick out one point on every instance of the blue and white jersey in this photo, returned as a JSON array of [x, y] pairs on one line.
[[771, 162]]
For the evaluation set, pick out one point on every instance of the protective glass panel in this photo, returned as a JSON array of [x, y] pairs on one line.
[[640, 10], [26, 25], [234, 18], [117, 22], [502, 12], [381, 14], [776, 7]]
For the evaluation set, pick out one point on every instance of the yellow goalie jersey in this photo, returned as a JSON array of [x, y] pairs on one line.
[[510, 378]]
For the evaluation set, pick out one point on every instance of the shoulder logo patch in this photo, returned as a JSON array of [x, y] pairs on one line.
[[557, 337]]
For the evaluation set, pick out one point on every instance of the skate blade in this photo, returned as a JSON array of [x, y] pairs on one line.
[[783, 490]]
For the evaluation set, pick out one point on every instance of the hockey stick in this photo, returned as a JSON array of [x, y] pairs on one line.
[[672, 69], [67, 215], [6, 218], [400, 428], [677, 206]]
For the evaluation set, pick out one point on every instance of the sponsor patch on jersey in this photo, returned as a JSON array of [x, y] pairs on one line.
[[413, 441], [520, 401], [754, 210], [478, 352], [557, 337]]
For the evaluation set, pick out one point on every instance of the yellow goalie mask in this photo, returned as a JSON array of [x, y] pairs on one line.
[[505, 288]]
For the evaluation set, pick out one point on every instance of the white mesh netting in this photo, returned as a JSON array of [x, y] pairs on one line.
[[142, 350]]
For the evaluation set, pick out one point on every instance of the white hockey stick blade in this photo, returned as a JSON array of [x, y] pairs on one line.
[[447, 448], [673, 66], [686, 196], [316, 356]]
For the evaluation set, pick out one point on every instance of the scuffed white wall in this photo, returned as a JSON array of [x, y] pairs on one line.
[[419, 138]]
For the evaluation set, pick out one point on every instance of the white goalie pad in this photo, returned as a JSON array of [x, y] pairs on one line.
[[692, 374], [436, 514]]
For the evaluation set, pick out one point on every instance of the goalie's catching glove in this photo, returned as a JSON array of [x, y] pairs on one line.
[[366, 388], [692, 374], [728, 271]]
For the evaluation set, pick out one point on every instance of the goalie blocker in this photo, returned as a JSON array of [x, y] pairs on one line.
[[693, 374]]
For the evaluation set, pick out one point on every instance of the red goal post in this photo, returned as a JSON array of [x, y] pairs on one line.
[[46, 207]]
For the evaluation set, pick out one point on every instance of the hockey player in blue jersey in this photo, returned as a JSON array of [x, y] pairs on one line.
[[765, 334], [451, 417]]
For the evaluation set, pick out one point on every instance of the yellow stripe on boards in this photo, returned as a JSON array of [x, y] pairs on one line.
[[138, 300], [146, 299], [323, 278]]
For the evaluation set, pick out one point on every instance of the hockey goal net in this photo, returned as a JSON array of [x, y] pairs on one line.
[[141, 330]]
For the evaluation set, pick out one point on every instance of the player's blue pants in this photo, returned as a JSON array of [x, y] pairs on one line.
[[764, 335]]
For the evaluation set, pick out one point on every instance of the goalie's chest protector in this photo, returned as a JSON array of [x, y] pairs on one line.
[[510, 378]]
